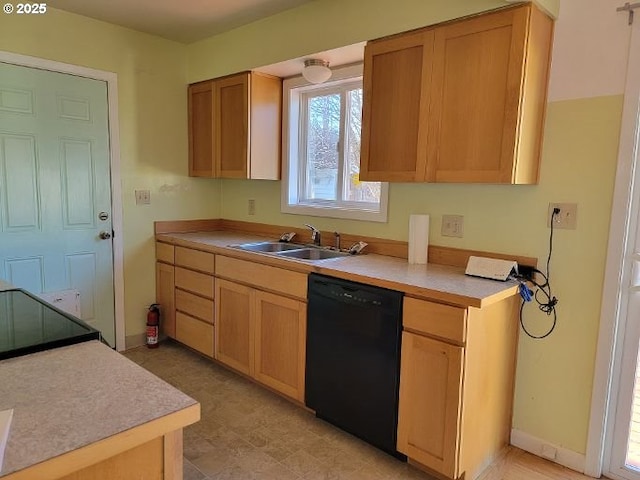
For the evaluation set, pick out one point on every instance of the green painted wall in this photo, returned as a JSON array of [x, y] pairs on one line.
[[554, 376], [152, 78]]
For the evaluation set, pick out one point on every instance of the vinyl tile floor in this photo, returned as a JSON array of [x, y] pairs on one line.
[[247, 432]]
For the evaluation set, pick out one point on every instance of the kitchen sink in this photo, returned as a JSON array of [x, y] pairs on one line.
[[312, 254], [291, 250], [269, 247]]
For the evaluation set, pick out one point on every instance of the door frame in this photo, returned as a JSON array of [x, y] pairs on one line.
[[111, 80], [624, 214]]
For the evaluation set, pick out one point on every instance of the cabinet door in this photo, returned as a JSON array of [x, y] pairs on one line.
[[280, 341], [266, 127], [232, 126], [195, 333], [201, 136], [165, 298], [478, 67], [234, 326], [397, 79], [430, 400]]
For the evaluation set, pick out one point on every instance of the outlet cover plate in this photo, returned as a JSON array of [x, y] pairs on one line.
[[452, 226], [567, 218]]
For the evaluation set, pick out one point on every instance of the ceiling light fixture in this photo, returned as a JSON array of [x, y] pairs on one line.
[[316, 70]]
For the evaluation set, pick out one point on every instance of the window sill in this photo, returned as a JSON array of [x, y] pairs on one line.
[[336, 212]]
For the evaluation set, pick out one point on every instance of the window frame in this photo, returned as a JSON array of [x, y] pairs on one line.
[[294, 170]]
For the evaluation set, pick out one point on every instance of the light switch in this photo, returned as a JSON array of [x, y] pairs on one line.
[[143, 197], [452, 225]]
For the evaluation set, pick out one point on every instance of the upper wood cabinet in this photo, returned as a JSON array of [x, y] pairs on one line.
[[458, 102], [201, 134], [234, 127], [397, 74]]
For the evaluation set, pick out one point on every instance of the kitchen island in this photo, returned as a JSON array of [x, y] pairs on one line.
[[84, 411]]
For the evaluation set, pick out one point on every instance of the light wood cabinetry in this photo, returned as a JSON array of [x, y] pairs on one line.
[[431, 385], [456, 384], [194, 305], [458, 102], [232, 318], [194, 333], [165, 285], [201, 133], [185, 292], [194, 259], [165, 288], [265, 277], [234, 326], [259, 333], [280, 343], [195, 282], [397, 75], [234, 127]]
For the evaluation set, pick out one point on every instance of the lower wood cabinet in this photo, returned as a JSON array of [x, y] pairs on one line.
[[456, 384], [262, 335], [184, 292], [429, 407], [280, 334], [165, 286], [234, 326], [194, 333]]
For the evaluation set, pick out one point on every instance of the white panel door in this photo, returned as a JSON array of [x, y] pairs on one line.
[[55, 188]]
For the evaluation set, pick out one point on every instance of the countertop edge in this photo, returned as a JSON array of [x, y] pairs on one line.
[[101, 450]]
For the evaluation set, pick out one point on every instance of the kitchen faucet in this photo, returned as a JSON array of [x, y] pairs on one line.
[[315, 234]]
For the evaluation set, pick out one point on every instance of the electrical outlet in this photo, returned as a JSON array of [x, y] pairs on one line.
[[143, 197], [452, 225], [252, 206], [567, 218]]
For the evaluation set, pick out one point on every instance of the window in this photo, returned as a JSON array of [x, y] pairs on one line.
[[322, 125]]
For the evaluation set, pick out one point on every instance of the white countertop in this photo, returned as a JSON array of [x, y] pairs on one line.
[[70, 397], [434, 282]]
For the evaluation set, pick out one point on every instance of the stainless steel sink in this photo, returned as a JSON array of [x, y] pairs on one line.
[[269, 247], [312, 254], [291, 250]]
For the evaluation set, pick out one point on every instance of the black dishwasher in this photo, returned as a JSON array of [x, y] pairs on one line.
[[353, 358]]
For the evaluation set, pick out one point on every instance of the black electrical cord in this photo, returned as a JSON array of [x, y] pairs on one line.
[[548, 302]]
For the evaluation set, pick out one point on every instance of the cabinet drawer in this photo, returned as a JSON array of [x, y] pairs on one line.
[[194, 333], [194, 305], [194, 282], [164, 252], [194, 259], [435, 319], [263, 276]]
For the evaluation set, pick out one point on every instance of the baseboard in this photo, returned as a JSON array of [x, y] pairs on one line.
[[133, 341], [565, 457]]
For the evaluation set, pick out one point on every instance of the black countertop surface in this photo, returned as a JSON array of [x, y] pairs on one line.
[[28, 324]]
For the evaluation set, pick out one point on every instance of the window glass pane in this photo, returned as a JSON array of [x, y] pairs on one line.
[[323, 134], [354, 189]]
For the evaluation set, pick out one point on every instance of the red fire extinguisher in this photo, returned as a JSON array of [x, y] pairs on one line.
[[153, 325]]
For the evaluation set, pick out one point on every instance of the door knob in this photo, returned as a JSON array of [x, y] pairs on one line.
[[104, 235]]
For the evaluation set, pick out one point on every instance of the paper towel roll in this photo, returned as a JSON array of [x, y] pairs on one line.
[[418, 238]]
